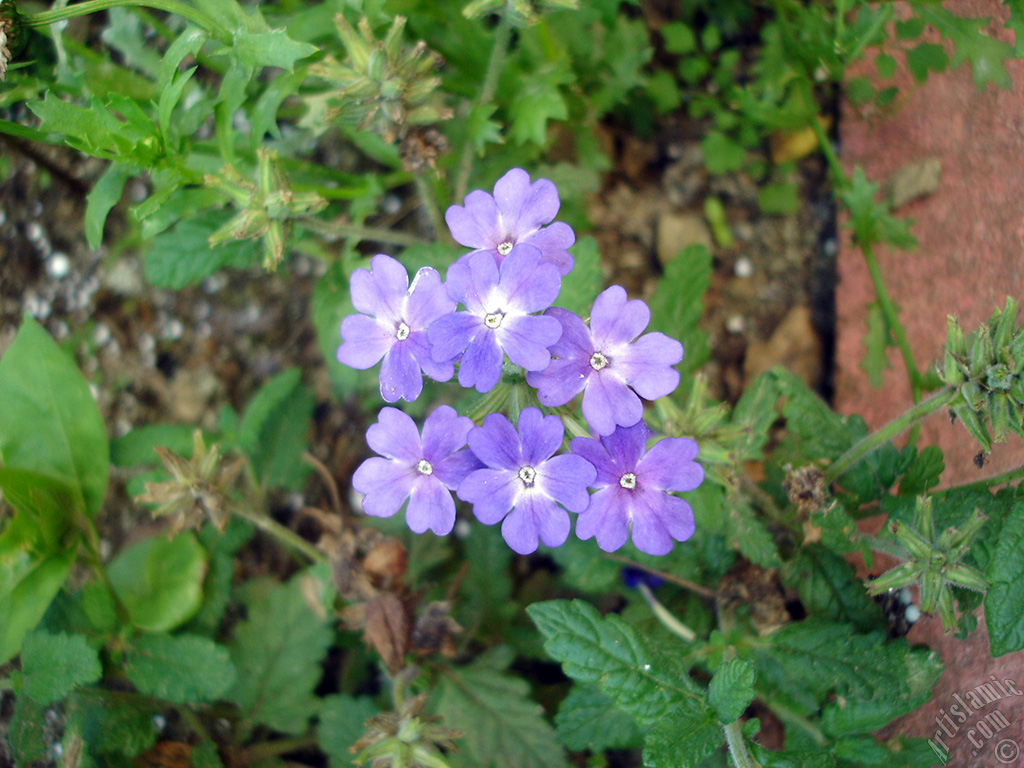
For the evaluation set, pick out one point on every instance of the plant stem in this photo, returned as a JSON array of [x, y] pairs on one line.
[[502, 38], [670, 577], [361, 233], [284, 535], [429, 200], [662, 614], [269, 749], [1001, 479], [738, 747], [789, 716], [876, 439], [184, 10]]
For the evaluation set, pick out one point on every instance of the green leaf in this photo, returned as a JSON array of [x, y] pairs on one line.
[[342, 719], [538, 100], [790, 758], [731, 689], [828, 588], [501, 726], [183, 669], [778, 199], [277, 652], [679, 37], [110, 726], [877, 341], [871, 222], [910, 29], [643, 682], [581, 286], [160, 580], [746, 533], [49, 422], [136, 447], [678, 302], [331, 303], [101, 198], [924, 471], [54, 665], [274, 430], [721, 154], [886, 66], [924, 58], [1006, 595], [183, 255], [272, 48], [755, 413], [970, 43], [28, 584], [1015, 22], [587, 719], [46, 501]]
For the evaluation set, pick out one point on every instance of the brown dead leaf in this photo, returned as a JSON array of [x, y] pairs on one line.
[[387, 630]]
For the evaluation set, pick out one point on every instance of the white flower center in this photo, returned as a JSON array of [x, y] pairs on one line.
[[527, 475], [505, 248], [493, 320], [424, 467], [402, 332], [628, 481], [598, 361]]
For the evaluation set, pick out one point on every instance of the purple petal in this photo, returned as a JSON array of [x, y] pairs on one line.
[[481, 364], [444, 432], [492, 492], [395, 436], [385, 483], [526, 283], [381, 290], [658, 519], [606, 519], [524, 206], [365, 341], [626, 445], [553, 243], [646, 365], [430, 506], [521, 531], [541, 436], [477, 225], [566, 478], [450, 334], [428, 300], [614, 320], [419, 344], [669, 465], [483, 279], [458, 278], [560, 382], [526, 338], [456, 468], [496, 443], [575, 342], [597, 456], [400, 375], [608, 403]]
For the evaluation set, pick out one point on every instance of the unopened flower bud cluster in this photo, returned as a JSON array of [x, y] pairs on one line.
[[496, 303]]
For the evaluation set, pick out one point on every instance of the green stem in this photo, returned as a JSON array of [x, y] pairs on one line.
[[270, 749], [184, 10], [1001, 479], [91, 540], [502, 38], [787, 715], [429, 201], [662, 614], [284, 535], [876, 439], [670, 577], [880, 21], [361, 233], [738, 751]]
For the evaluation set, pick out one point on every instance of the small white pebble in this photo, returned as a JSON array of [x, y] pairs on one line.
[[912, 614], [214, 283], [159, 722], [146, 342], [34, 231], [830, 247], [3, 217], [61, 330], [462, 529], [735, 324], [203, 330], [105, 549], [905, 596], [56, 750], [744, 267], [94, 391], [35, 209], [37, 307], [296, 501], [101, 334], [58, 265], [173, 329], [391, 204]]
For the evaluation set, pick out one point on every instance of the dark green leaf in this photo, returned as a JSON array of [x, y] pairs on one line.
[[1006, 595], [886, 65], [274, 429], [581, 286], [683, 738], [110, 726], [755, 413], [101, 198], [160, 580], [183, 255], [678, 302], [679, 37], [49, 422], [331, 303], [731, 689], [924, 471], [587, 719], [342, 719], [828, 587], [54, 665], [924, 58], [910, 29], [183, 669]]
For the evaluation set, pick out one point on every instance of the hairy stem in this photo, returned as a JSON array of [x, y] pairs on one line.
[[388, 236], [738, 751], [664, 615], [284, 535], [429, 200], [184, 10]]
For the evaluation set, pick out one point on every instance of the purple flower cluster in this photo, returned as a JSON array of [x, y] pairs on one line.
[[506, 287]]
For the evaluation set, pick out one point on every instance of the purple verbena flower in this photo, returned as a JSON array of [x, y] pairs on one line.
[[497, 320], [515, 214], [634, 489], [424, 471], [608, 363], [393, 326], [524, 482]]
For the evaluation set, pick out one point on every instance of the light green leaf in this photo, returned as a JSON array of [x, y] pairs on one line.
[[755, 412], [581, 286], [987, 55], [101, 198], [49, 422], [731, 689], [54, 665], [1006, 595], [342, 722], [721, 154], [160, 580], [277, 652], [136, 447], [587, 719], [28, 584], [272, 48], [778, 199], [678, 302], [683, 738], [501, 726], [183, 255], [183, 669], [923, 472], [274, 429]]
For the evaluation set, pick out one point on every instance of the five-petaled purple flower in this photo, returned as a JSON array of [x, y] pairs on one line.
[[524, 479], [515, 214], [497, 319], [608, 363], [633, 489], [424, 471], [393, 326]]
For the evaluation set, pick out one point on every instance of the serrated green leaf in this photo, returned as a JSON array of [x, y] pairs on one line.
[[538, 100], [721, 154], [678, 303], [272, 48], [871, 222], [924, 58], [924, 471], [731, 689], [110, 726], [876, 342], [581, 286], [277, 652], [970, 43], [136, 447], [183, 669], [501, 726], [54, 665], [49, 422], [792, 758], [828, 588], [27, 732], [587, 719], [183, 255], [683, 738], [274, 429], [747, 533], [160, 580], [1006, 595], [101, 198], [342, 719], [755, 413]]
